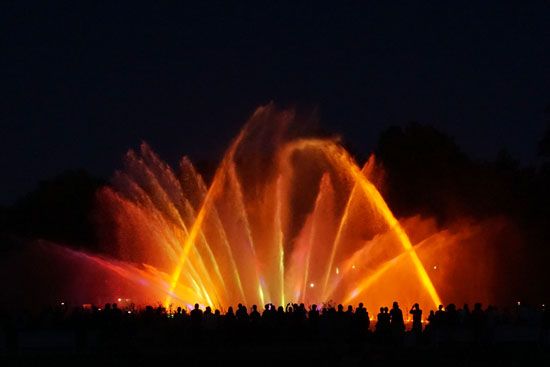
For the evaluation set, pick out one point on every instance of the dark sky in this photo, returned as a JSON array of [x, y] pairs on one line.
[[83, 83]]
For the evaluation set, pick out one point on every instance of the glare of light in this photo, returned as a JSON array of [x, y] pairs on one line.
[[120, 299], [519, 303], [129, 312], [337, 271], [62, 303], [353, 267], [311, 285], [435, 267]]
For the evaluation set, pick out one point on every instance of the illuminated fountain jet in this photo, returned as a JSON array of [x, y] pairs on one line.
[[284, 219]]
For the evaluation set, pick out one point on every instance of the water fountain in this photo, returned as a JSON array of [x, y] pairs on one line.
[[285, 218]]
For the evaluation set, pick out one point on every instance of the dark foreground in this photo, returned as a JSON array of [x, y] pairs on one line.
[[275, 337], [302, 353]]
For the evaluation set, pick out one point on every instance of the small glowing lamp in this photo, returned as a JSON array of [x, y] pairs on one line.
[[311, 285], [120, 299], [353, 266], [435, 267]]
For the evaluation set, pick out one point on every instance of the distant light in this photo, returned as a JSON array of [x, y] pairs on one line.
[[311, 285], [120, 299], [353, 267], [129, 312], [62, 303], [337, 271], [99, 309], [435, 267], [519, 303]]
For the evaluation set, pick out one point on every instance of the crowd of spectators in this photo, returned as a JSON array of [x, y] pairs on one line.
[[112, 324]]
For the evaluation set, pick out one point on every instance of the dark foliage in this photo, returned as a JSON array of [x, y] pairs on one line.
[[58, 210], [426, 173]]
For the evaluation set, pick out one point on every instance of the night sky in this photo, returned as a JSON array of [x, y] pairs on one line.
[[81, 84]]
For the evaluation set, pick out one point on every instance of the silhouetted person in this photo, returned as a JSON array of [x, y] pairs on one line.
[[361, 322], [451, 316], [416, 312], [255, 315], [313, 319], [397, 323], [229, 324], [439, 317], [478, 322], [209, 319], [383, 325], [242, 321], [196, 323], [116, 316], [464, 315]]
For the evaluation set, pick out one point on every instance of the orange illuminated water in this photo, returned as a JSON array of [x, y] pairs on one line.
[[284, 219]]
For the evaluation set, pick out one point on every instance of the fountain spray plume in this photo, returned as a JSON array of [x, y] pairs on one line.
[[286, 218]]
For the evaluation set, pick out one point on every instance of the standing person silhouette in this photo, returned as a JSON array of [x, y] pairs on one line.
[[416, 312], [397, 323]]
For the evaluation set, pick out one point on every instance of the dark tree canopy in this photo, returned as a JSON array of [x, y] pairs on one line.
[[58, 210]]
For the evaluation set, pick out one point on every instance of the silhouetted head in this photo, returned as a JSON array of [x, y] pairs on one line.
[[350, 308], [416, 306], [230, 310], [179, 310], [440, 308], [314, 307], [196, 306], [207, 309], [360, 304], [395, 305], [340, 307], [381, 309], [385, 309]]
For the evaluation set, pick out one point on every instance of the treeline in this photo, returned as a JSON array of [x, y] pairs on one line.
[[59, 210]]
